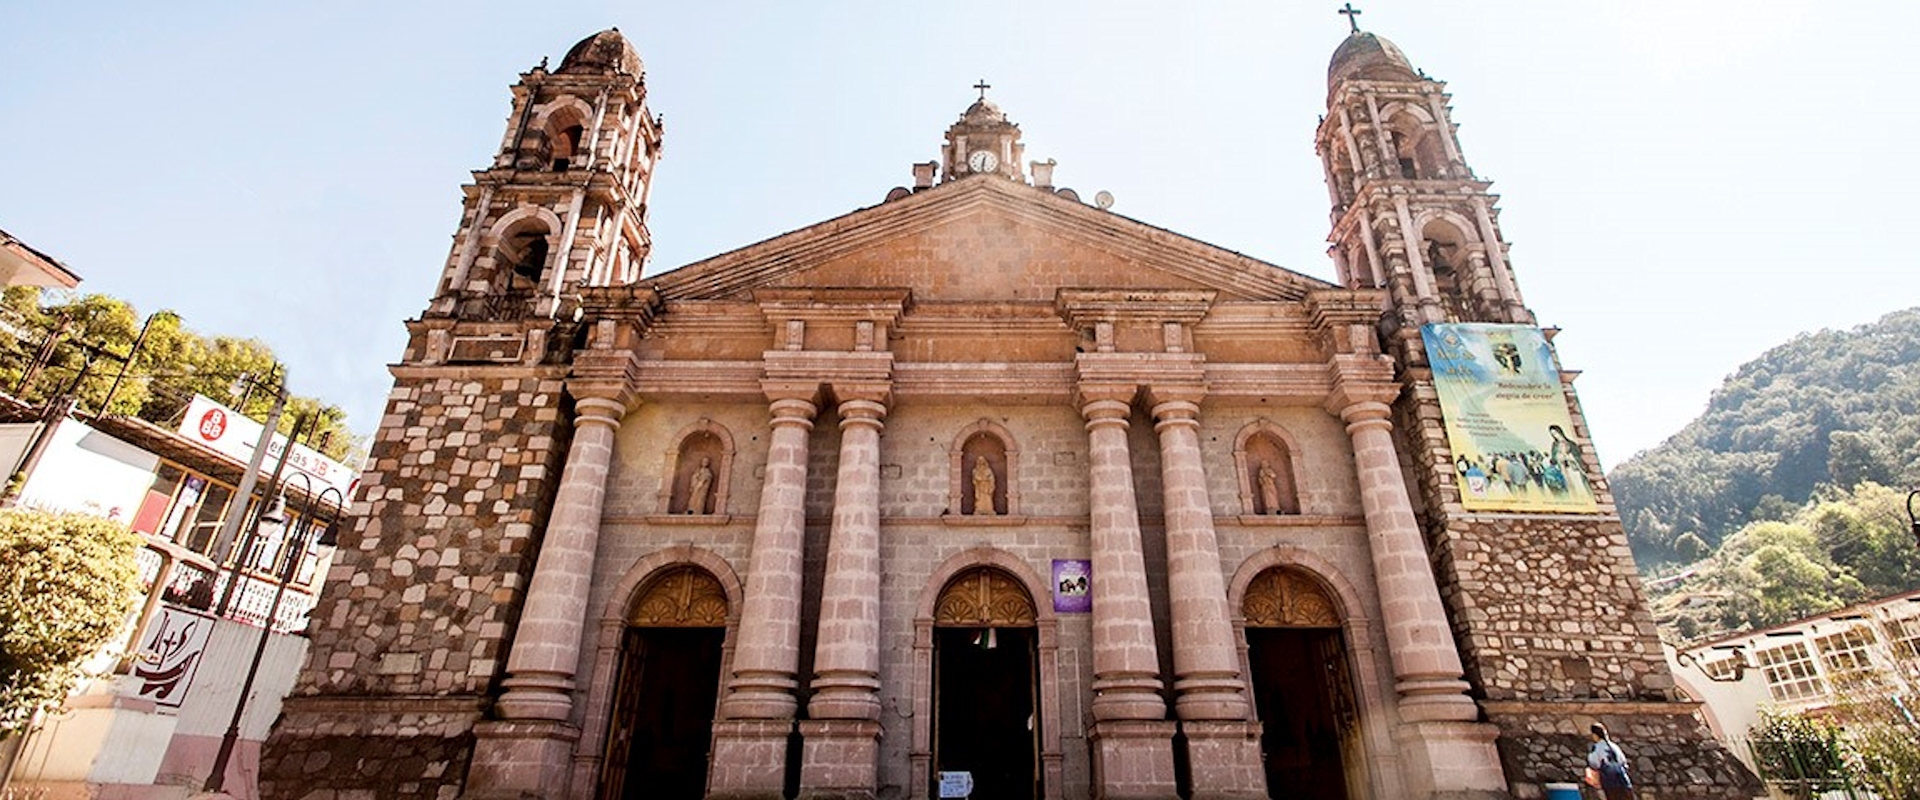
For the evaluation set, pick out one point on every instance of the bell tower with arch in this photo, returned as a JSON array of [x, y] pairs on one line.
[[1547, 609], [1409, 215]]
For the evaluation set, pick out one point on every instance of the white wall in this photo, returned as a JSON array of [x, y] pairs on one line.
[[86, 470]]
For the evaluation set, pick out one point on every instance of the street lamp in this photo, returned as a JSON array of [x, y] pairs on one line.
[[1913, 518], [296, 549]]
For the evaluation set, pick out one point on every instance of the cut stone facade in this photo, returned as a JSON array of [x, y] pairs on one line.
[[980, 479]]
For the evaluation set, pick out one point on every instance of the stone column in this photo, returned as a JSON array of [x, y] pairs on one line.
[[530, 747], [1132, 740], [841, 750], [1442, 747], [756, 715], [1223, 741]]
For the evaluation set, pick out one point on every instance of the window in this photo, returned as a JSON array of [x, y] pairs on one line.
[[1846, 655], [1790, 672], [1722, 669]]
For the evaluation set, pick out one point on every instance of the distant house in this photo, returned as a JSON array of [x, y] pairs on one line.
[[1802, 666], [21, 265]]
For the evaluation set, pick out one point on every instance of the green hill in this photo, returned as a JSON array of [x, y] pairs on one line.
[[1833, 409], [1787, 497]]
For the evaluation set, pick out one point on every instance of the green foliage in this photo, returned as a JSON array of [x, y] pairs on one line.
[[1801, 755], [1842, 548], [172, 366], [1834, 408], [67, 583]]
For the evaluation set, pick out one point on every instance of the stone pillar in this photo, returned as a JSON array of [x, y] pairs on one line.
[[1131, 738], [1210, 697], [841, 750], [529, 749], [756, 715], [1442, 747]]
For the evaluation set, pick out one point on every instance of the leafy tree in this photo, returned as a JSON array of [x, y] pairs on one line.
[[85, 337], [1803, 756], [67, 583], [1842, 548]]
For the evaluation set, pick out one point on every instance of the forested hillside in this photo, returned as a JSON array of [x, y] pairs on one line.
[[1833, 408]]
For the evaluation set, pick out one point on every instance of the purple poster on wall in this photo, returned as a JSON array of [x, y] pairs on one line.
[[1072, 586]]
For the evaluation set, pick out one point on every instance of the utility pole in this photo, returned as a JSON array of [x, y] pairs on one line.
[[237, 507]]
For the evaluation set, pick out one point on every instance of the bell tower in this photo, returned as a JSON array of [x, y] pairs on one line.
[[983, 141], [1409, 214], [564, 204], [1544, 600], [407, 661]]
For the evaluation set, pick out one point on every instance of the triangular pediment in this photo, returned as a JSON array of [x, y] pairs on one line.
[[983, 240]]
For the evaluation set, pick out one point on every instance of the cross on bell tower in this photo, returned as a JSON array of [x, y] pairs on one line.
[[1408, 215]]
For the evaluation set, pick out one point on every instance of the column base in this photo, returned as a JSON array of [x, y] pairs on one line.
[[1132, 759], [749, 759], [1451, 759], [1224, 760], [840, 759], [516, 759]]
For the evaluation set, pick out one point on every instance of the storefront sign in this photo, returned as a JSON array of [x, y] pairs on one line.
[[232, 433]]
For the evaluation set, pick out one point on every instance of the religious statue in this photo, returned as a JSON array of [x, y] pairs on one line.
[[1269, 489], [698, 486], [982, 486]]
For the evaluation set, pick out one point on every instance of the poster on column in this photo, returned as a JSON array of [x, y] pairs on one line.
[[1507, 420], [1072, 586]]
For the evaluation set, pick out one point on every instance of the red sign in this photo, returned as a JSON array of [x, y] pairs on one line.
[[213, 424]]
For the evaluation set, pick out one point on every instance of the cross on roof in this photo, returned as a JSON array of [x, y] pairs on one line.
[[983, 86], [1353, 16]]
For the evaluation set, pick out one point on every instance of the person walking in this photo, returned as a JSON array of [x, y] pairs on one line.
[[1605, 759]]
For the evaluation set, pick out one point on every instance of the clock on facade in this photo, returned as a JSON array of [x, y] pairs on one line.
[[982, 161]]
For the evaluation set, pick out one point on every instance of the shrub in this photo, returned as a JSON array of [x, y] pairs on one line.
[[67, 583]]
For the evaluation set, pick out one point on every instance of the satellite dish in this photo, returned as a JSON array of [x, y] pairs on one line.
[[1103, 199]]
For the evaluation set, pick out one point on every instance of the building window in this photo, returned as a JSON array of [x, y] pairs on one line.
[[1790, 672], [1847, 657], [1721, 669], [1905, 637]]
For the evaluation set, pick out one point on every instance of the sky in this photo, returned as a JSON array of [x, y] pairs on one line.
[[1683, 184]]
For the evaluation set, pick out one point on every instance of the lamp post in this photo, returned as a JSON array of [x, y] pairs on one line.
[[1913, 518], [296, 549]]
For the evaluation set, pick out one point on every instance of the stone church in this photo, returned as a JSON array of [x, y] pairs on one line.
[[984, 490]]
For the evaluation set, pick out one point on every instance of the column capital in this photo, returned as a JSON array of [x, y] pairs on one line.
[[1174, 396], [860, 411], [793, 411], [1106, 412], [878, 393], [602, 384]]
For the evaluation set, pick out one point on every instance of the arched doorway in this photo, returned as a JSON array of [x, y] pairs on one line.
[[986, 696], [1302, 689], [666, 688]]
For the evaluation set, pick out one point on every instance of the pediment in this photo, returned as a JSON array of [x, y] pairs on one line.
[[983, 240]]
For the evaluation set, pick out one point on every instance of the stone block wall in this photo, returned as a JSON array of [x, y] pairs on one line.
[[423, 595], [1554, 628]]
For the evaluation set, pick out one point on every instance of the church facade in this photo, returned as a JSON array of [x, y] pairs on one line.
[[982, 491]]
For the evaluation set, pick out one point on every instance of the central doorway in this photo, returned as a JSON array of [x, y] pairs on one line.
[[1309, 740], [668, 685], [986, 698]]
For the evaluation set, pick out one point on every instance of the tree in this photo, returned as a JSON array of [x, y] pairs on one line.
[[84, 338], [67, 583]]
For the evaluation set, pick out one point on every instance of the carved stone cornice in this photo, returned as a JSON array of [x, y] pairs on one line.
[[618, 317], [1359, 380], [611, 375]]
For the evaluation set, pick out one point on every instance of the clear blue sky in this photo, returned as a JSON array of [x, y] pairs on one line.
[[1684, 184]]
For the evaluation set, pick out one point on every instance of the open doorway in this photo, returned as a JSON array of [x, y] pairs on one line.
[[986, 696], [668, 684], [1302, 690]]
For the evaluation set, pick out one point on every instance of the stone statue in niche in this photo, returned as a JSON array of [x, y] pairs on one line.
[[983, 484], [699, 486], [1269, 489]]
